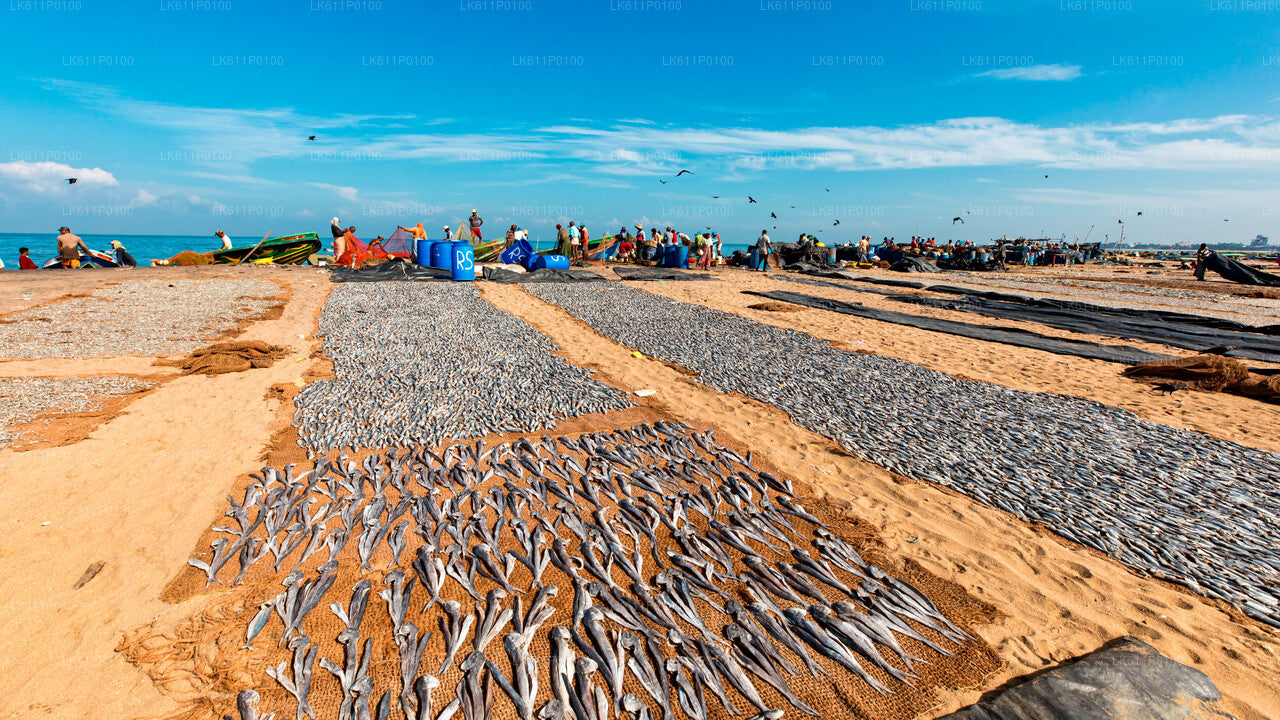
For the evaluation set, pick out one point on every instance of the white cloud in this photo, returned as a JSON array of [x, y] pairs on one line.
[[144, 198], [51, 177], [1038, 73], [342, 191]]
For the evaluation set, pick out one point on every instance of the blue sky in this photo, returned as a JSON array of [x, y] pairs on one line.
[[182, 116]]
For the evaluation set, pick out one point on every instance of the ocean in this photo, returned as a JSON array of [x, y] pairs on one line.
[[146, 248]]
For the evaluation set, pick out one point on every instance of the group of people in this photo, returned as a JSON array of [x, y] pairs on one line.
[[72, 253]]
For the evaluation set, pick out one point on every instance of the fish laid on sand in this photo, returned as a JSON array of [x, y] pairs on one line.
[[1175, 504], [632, 616]]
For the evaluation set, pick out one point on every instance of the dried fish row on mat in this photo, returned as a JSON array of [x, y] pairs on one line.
[[422, 363], [23, 399], [1175, 504], [635, 573], [135, 317]]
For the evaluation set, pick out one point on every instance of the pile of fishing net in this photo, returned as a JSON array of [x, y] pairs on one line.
[[188, 258], [1210, 373], [231, 357]]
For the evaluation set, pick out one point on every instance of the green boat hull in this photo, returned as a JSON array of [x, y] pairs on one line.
[[288, 250]]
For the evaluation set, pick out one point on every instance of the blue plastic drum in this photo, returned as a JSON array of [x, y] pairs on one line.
[[463, 262]]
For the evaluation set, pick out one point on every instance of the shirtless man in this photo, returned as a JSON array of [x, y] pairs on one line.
[[69, 247]]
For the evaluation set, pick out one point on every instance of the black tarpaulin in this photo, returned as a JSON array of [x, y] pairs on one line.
[[1235, 272], [914, 264], [395, 269], [545, 275], [1181, 330], [648, 273], [1127, 678], [989, 333]]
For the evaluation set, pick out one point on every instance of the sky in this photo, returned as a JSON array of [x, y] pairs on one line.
[[1057, 118]]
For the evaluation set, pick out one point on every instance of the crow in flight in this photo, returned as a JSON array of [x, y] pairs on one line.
[[71, 181], [835, 223], [682, 172], [956, 219], [750, 200], [311, 138], [773, 215]]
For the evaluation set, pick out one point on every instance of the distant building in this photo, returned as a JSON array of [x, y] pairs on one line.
[[1259, 241]]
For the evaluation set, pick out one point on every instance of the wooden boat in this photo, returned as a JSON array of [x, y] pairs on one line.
[[93, 259], [288, 250]]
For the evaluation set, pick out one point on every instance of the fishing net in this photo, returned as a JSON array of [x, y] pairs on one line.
[[1210, 373], [206, 660], [188, 258], [231, 357]]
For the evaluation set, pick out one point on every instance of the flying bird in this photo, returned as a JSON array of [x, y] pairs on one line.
[[311, 138], [664, 182], [957, 219], [773, 215], [1139, 212], [827, 189], [1226, 219], [836, 222], [1046, 177], [715, 197], [793, 207], [682, 172], [72, 181], [750, 199]]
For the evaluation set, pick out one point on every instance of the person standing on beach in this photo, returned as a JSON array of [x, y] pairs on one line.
[[575, 238], [584, 239], [24, 260], [418, 232], [69, 248], [475, 222], [226, 241], [510, 238], [1202, 259], [763, 248], [562, 241]]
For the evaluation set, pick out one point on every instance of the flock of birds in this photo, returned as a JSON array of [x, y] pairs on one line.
[[696, 578]]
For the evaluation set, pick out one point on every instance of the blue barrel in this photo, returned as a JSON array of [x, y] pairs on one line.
[[753, 261], [650, 253], [553, 262], [463, 261], [982, 256], [439, 255], [969, 254], [422, 253], [681, 257]]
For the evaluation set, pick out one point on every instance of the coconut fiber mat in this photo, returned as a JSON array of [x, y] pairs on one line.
[[647, 572]]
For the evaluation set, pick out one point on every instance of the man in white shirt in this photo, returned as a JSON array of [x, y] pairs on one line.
[[226, 241]]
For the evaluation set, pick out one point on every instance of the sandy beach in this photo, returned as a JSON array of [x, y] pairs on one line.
[[137, 482]]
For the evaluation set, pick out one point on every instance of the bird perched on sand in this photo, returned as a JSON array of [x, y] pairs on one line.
[[72, 181], [1170, 388], [957, 219]]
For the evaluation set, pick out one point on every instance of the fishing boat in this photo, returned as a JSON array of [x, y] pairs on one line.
[[92, 259], [287, 250]]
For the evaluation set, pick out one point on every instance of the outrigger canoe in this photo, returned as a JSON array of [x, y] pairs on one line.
[[288, 250]]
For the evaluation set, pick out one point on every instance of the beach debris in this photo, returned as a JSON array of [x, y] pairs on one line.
[[646, 393], [1174, 504], [90, 573], [419, 363], [673, 509]]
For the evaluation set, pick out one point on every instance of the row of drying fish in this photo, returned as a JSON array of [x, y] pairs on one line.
[[1175, 504], [421, 363], [710, 617]]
